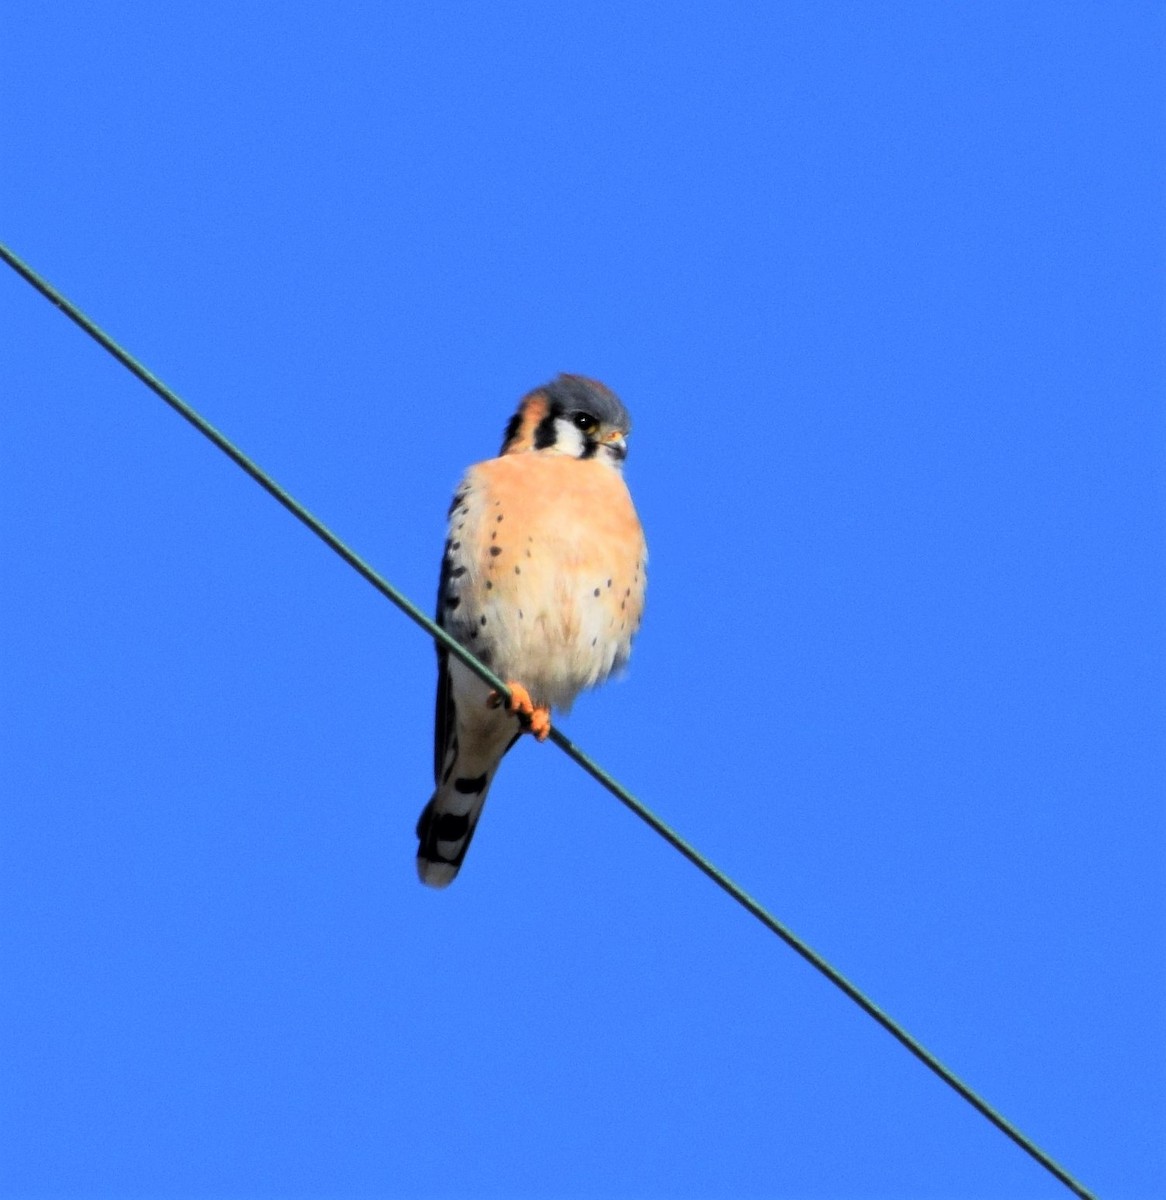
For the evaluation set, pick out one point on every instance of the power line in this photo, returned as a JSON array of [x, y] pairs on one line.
[[565, 744]]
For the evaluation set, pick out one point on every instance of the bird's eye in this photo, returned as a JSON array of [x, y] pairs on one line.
[[585, 422]]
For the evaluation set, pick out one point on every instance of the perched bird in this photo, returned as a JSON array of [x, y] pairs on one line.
[[543, 580]]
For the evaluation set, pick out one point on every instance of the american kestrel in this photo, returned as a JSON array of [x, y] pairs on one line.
[[543, 579]]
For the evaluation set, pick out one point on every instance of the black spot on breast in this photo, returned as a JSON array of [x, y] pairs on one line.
[[596, 592], [458, 572], [473, 635], [489, 584], [482, 619], [499, 518], [623, 604], [520, 614], [451, 602], [517, 570], [495, 551], [455, 545], [485, 656], [609, 583], [594, 640]]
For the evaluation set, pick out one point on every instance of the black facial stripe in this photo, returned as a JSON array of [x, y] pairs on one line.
[[512, 428], [544, 435], [590, 447]]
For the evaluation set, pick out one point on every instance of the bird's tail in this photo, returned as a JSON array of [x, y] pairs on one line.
[[446, 826], [471, 738]]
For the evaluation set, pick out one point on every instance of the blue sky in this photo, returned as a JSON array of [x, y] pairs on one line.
[[882, 286]]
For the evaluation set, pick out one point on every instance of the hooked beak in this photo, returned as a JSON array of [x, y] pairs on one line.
[[617, 443]]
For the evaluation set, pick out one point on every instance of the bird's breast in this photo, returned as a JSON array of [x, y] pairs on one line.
[[547, 564]]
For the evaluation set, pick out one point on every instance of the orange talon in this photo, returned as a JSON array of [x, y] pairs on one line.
[[520, 701], [538, 719], [540, 723]]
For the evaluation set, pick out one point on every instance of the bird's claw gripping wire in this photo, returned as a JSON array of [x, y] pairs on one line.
[[534, 718]]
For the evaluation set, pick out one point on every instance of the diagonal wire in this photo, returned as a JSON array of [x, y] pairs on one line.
[[565, 744]]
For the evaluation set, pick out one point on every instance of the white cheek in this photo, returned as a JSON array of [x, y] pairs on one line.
[[568, 439]]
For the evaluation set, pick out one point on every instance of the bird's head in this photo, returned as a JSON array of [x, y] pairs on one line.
[[572, 415]]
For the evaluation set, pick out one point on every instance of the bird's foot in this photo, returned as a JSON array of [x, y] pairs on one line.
[[536, 719]]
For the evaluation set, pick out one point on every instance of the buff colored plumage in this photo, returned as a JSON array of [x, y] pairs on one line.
[[543, 579]]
